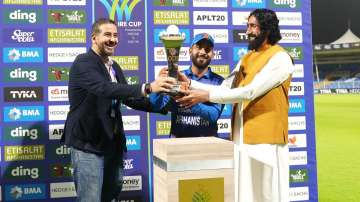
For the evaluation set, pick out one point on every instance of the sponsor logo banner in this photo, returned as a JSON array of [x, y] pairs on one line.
[[224, 125], [291, 36], [297, 122], [23, 172], [296, 105], [60, 152], [157, 34], [23, 113], [129, 16], [131, 199], [24, 153], [133, 142], [128, 164], [131, 80], [61, 170], [22, 36], [353, 91], [132, 183], [240, 36], [124, 12], [298, 158], [127, 62], [65, 35], [171, 17], [66, 2], [66, 16], [297, 140], [205, 189], [58, 74], [171, 2], [284, 3], [219, 35], [62, 190], [240, 17], [23, 94], [239, 52], [342, 91], [210, 18], [131, 122], [22, 16], [160, 54], [24, 132], [210, 3], [56, 131], [220, 54], [289, 18], [222, 70], [22, 55], [323, 91], [163, 127], [27, 74], [25, 192], [64, 54], [298, 71], [248, 3], [23, 2], [299, 193], [296, 88], [58, 112], [298, 175], [295, 52], [58, 93]]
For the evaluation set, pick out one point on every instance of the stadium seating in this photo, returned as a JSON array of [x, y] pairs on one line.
[[338, 76]]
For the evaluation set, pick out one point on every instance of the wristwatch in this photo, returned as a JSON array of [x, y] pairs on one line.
[[148, 89]]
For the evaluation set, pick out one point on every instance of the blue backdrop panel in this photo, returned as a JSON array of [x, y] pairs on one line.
[[41, 38]]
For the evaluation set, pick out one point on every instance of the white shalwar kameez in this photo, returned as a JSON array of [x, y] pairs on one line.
[[261, 170]]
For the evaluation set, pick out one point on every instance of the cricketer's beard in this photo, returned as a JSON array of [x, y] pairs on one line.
[[256, 43], [200, 66]]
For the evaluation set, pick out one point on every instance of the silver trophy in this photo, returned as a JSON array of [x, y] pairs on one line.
[[172, 40]]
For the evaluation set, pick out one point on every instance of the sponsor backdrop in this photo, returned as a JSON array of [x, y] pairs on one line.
[[40, 39]]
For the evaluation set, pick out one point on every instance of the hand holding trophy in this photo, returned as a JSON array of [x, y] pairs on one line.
[[172, 40]]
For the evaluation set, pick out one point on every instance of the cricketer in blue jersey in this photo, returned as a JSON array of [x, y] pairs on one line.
[[201, 119]]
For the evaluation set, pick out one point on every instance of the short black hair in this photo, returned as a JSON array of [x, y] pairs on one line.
[[101, 21], [269, 24]]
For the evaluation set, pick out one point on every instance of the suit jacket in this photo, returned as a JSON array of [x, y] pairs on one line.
[[89, 126]]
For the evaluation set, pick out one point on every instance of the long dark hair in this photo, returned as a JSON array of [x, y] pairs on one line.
[[269, 24]]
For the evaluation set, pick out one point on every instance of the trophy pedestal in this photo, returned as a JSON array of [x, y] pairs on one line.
[[193, 168]]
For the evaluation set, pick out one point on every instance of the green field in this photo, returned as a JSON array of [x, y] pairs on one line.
[[337, 122]]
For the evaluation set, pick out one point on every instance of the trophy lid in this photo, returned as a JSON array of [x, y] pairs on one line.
[[172, 37]]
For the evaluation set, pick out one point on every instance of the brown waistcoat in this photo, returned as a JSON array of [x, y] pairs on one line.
[[265, 119]]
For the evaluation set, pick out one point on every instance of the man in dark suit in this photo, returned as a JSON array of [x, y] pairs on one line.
[[94, 128]]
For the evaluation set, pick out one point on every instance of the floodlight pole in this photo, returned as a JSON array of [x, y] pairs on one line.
[[316, 70]]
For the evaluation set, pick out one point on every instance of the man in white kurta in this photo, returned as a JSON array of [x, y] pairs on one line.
[[258, 88]]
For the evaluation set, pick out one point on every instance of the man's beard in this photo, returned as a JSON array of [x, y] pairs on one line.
[[257, 42], [104, 52], [200, 65]]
